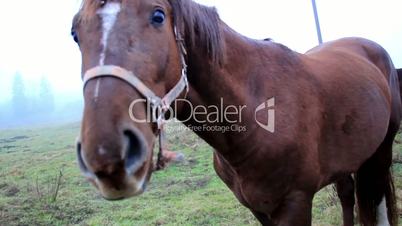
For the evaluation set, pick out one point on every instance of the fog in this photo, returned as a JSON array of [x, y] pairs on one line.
[[36, 47], [35, 102]]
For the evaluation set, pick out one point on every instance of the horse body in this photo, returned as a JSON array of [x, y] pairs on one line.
[[337, 109], [333, 110], [357, 103]]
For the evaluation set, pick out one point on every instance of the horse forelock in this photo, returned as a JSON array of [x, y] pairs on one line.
[[201, 28], [88, 9]]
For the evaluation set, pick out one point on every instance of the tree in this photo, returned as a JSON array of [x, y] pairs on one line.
[[46, 97], [19, 99]]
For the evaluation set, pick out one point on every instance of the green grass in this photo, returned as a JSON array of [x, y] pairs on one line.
[[189, 193]]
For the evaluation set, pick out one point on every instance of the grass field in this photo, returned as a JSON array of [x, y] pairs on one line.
[[40, 184]]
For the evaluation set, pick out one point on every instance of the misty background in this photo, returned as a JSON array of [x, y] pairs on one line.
[[40, 65]]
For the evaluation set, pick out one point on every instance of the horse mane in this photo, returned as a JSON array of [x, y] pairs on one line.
[[200, 26]]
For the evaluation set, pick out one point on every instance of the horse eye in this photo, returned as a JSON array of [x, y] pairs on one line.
[[75, 36], [158, 17]]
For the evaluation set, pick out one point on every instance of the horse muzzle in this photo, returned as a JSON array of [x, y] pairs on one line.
[[119, 172]]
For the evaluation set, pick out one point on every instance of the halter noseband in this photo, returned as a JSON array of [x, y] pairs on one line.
[[158, 105]]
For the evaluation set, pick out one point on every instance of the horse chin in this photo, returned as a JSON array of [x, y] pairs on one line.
[[130, 186]]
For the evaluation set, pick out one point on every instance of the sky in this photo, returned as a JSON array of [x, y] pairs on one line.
[[35, 35]]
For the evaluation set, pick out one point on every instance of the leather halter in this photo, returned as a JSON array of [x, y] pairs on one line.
[[158, 105]]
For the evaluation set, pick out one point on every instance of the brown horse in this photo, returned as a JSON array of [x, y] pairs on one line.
[[309, 120]]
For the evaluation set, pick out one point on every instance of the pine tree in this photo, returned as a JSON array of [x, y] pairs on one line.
[[46, 97], [19, 99]]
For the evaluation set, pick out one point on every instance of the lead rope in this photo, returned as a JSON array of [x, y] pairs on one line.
[[161, 162], [161, 121]]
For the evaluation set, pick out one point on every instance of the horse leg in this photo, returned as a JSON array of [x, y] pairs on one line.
[[375, 190], [345, 188], [227, 175], [262, 218], [294, 210]]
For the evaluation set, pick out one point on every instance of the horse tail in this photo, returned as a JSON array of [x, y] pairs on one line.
[[375, 190]]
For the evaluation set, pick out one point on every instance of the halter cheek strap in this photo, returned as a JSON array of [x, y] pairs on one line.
[[158, 105]]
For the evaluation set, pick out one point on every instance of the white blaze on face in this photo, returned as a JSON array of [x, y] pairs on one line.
[[382, 216], [108, 14]]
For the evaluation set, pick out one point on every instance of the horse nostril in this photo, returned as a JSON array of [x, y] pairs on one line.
[[135, 151], [81, 163]]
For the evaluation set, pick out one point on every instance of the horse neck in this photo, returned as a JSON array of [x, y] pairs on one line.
[[222, 86]]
